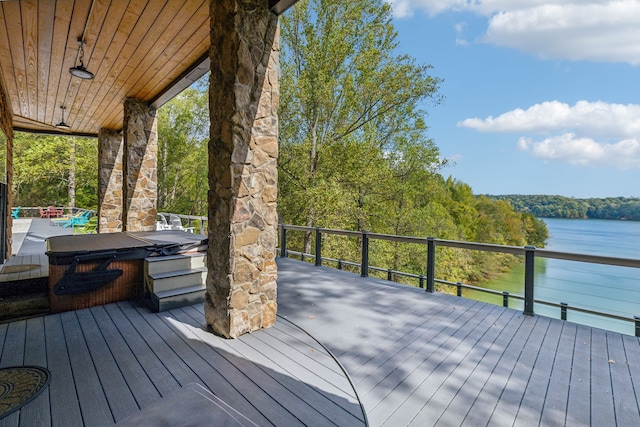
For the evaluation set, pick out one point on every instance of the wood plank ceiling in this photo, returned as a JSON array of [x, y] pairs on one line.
[[135, 48]]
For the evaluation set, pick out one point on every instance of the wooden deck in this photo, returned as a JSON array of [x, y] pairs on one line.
[[415, 358]]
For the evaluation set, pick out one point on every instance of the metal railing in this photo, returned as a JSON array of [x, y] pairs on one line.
[[34, 212], [429, 280]]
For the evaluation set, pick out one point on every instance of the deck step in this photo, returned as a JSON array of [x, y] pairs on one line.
[[165, 264], [24, 306], [176, 298], [176, 280], [172, 280]]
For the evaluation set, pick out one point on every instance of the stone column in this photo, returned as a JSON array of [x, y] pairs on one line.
[[110, 206], [140, 163], [243, 150]]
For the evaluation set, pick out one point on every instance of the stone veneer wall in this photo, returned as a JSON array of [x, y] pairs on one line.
[[110, 184], [6, 125], [140, 161], [243, 151]]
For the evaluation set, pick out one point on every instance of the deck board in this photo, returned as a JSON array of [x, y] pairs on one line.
[[36, 354], [626, 405], [288, 379], [448, 372], [260, 399], [602, 405], [136, 356], [578, 405], [93, 402], [65, 407], [536, 388], [118, 394], [481, 409], [478, 375]]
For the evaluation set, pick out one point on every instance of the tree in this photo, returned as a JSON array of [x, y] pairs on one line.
[[55, 170], [349, 108], [183, 125]]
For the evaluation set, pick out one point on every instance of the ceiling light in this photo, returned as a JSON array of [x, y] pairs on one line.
[[79, 70], [62, 124]]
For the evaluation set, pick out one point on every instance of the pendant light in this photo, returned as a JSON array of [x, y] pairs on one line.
[[62, 124], [79, 70]]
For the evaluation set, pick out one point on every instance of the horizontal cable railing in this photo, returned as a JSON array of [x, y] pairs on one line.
[[429, 280]]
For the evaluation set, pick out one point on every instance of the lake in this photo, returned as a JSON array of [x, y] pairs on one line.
[[606, 288]]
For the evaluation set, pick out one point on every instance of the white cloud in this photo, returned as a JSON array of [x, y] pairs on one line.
[[593, 30], [596, 119], [405, 8], [459, 28], [604, 32], [587, 133], [585, 151]]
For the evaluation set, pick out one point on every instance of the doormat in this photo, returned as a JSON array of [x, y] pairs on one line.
[[8, 269], [19, 385]]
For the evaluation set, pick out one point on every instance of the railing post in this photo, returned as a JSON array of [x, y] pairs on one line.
[[318, 247], [339, 264], [563, 310], [389, 274], [283, 242], [459, 289], [637, 319], [364, 267], [202, 230], [505, 299], [431, 263], [421, 282], [529, 264]]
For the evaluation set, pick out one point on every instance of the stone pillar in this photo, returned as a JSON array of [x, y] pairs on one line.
[[243, 150], [6, 126], [140, 163], [110, 206]]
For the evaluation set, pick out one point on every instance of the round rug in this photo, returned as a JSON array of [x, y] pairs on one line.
[[8, 269], [19, 385]]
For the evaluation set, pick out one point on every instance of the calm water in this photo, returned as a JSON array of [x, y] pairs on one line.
[[600, 287]]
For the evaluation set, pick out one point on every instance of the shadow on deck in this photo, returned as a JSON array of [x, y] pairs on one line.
[[415, 358]]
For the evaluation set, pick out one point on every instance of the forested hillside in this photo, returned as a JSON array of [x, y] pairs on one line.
[[541, 206]]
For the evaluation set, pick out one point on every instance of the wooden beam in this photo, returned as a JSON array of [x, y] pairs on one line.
[[280, 6]]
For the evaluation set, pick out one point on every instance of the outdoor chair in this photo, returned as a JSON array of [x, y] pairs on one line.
[[175, 223], [44, 213], [161, 223], [75, 221], [54, 212], [15, 212], [61, 221], [90, 227]]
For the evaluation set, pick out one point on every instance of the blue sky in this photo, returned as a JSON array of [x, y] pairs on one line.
[[541, 97]]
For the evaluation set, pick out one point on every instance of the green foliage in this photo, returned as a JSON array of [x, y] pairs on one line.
[[354, 153], [566, 207], [183, 132], [41, 170]]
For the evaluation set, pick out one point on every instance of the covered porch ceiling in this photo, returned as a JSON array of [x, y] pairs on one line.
[[145, 49]]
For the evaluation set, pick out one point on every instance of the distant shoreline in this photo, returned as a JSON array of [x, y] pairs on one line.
[[546, 206]]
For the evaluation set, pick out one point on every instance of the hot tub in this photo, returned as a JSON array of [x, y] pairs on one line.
[[94, 269]]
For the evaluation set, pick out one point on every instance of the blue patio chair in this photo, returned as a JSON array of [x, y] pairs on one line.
[[15, 212], [75, 221]]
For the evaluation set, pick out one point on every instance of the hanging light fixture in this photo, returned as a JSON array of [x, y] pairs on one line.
[[62, 124], [79, 70]]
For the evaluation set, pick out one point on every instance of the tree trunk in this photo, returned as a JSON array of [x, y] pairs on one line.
[[72, 174]]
